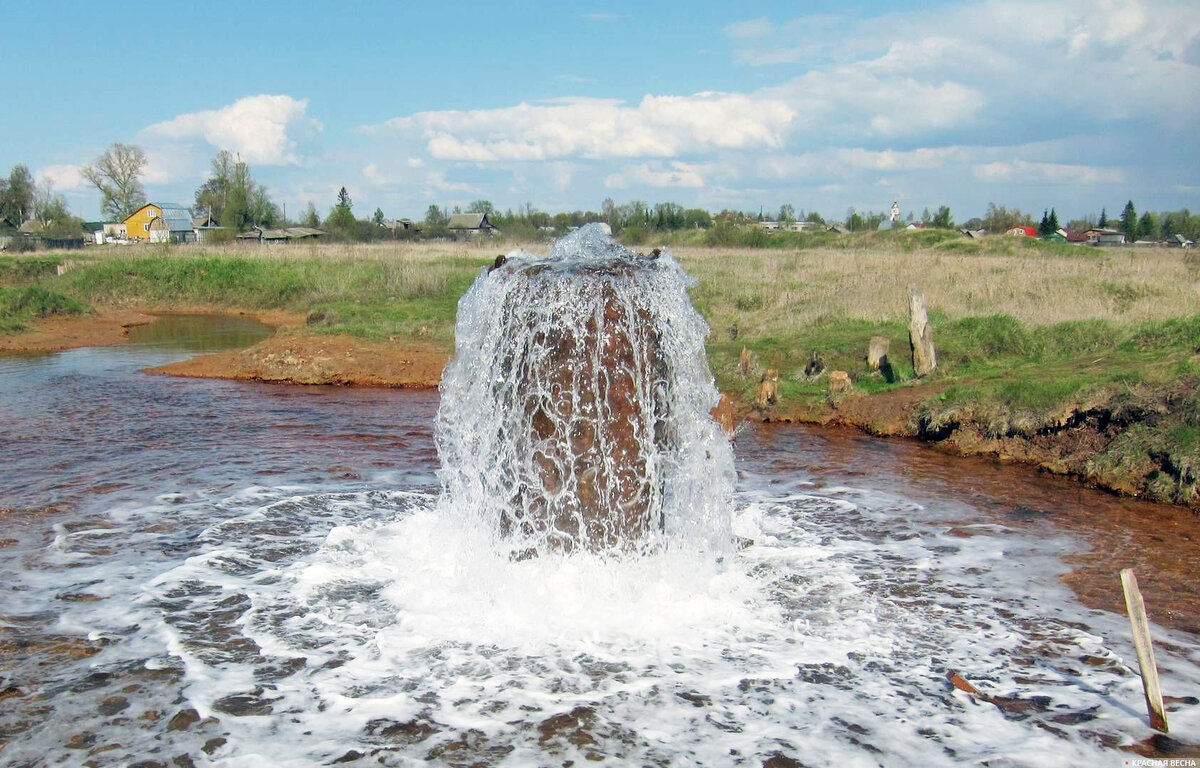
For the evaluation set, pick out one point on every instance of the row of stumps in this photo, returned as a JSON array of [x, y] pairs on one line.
[[1141, 642], [924, 359]]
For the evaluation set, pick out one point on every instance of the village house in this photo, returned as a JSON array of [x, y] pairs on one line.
[[466, 225], [160, 223], [398, 226], [276, 236], [1098, 236], [1022, 232]]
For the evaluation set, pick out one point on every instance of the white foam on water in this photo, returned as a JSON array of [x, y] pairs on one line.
[[828, 640]]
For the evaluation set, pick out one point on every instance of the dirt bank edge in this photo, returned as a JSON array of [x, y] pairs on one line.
[[296, 356], [1075, 446]]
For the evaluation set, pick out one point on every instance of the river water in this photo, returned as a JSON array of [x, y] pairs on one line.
[[214, 573]]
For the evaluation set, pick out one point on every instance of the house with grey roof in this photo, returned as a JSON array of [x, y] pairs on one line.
[[465, 225]]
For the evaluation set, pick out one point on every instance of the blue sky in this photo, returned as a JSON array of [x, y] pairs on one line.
[[1065, 103]]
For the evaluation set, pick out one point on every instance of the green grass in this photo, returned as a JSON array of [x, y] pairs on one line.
[[19, 270], [369, 297], [18, 306]]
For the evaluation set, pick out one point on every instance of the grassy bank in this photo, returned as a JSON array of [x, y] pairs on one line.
[[1039, 348], [1039, 345], [363, 292]]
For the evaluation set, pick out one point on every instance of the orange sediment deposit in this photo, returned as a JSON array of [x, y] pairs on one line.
[[104, 329], [299, 357]]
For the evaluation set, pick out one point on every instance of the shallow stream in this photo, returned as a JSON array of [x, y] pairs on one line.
[[214, 573]]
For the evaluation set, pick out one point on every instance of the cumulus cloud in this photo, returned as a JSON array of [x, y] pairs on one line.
[[61, 177], [658, 126], [264, 130]]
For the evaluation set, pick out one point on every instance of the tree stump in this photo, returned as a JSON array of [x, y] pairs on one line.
[[815, 367], [747, 362], [767, 392], [839, 385], [877, 353], [920, 334]]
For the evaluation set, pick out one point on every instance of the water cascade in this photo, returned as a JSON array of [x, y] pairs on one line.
[[576, 412]]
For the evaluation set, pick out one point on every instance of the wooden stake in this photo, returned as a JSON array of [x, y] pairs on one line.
[[1145, 651]]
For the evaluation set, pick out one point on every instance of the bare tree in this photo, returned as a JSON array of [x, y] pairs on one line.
[[117, 174]]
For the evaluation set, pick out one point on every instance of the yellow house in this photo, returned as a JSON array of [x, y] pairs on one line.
[[137, 225]]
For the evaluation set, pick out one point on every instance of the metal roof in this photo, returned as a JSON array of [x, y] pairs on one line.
[[178, 219]]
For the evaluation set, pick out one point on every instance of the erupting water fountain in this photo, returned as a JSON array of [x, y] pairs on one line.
[[571, 592], [575, 414]]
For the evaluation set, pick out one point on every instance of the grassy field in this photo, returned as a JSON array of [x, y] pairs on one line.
[[1029, 335]]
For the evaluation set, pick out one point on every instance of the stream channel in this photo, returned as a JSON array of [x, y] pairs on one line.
[[202, 572]]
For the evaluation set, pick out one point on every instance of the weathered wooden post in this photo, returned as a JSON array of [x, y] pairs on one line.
[[877, 352], [1145, 651], [920, 334]]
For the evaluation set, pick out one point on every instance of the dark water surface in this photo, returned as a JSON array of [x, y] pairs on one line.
[[215, 573]]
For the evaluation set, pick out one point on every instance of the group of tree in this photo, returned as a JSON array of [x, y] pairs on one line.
[[22, 200], [232, 197]]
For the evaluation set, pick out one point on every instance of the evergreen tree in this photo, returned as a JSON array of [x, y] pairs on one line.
[[341, 221], [1054, 225], [1044, 224], [1129, 221], [1147, 226], [1103, 219], [378, 217]]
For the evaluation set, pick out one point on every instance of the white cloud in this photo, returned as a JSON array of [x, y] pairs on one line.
[[750, 29], [1054, 173], [563, 173], [437, 182], [844, 162], [61, 177], [674, 174], [372, 174], [264, 130], [658, 126]]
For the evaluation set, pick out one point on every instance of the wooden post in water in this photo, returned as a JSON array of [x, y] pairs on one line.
[[1145, 651]]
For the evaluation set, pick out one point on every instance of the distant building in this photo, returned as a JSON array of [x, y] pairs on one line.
[[175, 227], [767, 226], [1099, 236], [840, 229], [465, 225], [1179, 241], [1022, 232], [400, 225], [276, 236]]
